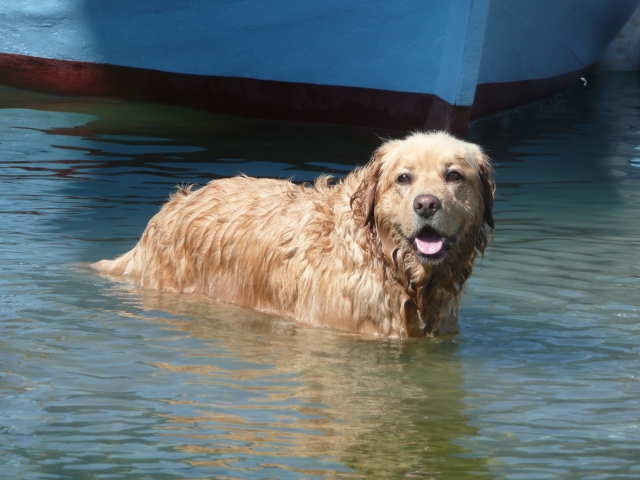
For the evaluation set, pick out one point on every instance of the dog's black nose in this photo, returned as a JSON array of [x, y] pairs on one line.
[[426, 205]]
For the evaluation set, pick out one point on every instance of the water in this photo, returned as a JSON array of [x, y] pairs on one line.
[[100, 380]]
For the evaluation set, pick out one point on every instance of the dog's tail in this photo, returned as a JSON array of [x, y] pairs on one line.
[[124, 265]]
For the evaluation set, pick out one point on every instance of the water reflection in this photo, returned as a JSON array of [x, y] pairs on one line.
[[256, 386]]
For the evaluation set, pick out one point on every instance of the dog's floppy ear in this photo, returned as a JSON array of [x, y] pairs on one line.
[[364, 199], [488, 189]]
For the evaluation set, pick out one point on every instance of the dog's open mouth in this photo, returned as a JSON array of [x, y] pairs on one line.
[[430, 243]]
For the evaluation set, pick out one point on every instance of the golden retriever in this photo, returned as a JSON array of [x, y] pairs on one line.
[[386, 251]]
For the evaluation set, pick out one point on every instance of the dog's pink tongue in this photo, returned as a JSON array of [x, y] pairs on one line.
[[429, 243]]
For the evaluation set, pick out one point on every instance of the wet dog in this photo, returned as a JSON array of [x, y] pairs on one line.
[[385, 251]]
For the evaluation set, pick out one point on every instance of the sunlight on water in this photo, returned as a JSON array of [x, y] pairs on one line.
[[101, 380]]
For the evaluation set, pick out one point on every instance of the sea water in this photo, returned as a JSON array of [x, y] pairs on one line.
[[100, 380]]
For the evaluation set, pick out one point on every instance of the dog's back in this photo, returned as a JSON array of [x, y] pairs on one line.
[[214, 227], [261, 243]]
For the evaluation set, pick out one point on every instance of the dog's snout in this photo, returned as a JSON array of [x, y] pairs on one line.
[[426, 205]]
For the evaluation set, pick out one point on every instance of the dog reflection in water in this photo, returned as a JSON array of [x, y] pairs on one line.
[[385, 251]]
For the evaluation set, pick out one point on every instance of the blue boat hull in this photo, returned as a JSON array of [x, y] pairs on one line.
[[419, 64]]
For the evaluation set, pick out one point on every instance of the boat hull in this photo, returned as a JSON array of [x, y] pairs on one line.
[[249, 97], [419, 65]]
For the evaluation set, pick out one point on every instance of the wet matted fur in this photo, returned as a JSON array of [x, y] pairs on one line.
[[386, 251]]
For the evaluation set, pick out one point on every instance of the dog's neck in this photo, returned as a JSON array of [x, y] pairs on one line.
[[425, 297]]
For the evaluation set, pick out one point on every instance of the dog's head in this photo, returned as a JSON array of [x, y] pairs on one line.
[[423, 195]]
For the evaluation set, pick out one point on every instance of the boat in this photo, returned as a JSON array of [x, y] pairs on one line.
[[410, 65]]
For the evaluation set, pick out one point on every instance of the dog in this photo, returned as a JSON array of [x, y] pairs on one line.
[[385, 251]]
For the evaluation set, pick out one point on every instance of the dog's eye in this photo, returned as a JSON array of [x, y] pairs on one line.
[[453, 176], [404, 179]]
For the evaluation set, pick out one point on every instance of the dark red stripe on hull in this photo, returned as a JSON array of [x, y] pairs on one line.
[[302, 102], [274, 100]]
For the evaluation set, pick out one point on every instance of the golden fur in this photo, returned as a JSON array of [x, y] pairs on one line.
[[340, 255]]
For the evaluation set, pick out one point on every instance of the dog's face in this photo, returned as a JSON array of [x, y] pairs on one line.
[[430, 190]]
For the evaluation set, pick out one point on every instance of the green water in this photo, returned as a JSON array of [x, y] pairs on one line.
[[99, 380]]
